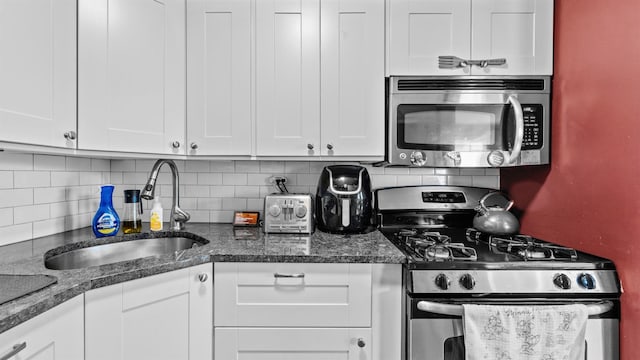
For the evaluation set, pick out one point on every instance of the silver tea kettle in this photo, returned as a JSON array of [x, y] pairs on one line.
[[495, 220]]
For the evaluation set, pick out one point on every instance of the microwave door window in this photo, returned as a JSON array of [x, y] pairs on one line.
[[444, 127]]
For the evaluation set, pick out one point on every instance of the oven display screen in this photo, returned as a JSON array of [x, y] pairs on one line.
[[443, 197]]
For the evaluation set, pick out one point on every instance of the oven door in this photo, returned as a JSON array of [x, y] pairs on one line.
[[435, 330]]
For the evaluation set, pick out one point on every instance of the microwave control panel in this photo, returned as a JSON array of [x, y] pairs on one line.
[[532, 139]]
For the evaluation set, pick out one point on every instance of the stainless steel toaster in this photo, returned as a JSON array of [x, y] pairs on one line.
[[288, 213]]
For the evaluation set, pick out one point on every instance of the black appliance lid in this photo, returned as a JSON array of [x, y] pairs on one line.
[[347, 179]]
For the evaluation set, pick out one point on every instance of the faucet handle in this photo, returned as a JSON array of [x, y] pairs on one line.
[[179, 218]]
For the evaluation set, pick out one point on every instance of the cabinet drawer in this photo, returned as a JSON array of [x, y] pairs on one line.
[[275, 294], [293, 343]]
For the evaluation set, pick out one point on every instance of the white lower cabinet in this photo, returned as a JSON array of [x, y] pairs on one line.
[[287, 311], [55, 335], [166, 316]]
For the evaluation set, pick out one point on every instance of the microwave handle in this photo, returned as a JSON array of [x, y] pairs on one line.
[[517, 143]]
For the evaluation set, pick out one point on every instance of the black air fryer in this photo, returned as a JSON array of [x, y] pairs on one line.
[[343, 199]]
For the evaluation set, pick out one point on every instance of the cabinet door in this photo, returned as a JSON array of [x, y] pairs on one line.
[[519, 31], [420, 31], [352, 48], [219, 77], [38, 71], [293, 344], [131, 75], [55, 335], [166, 316], [288, 77]]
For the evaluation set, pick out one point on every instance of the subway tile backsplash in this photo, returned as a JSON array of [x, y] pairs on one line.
[[45, 194]]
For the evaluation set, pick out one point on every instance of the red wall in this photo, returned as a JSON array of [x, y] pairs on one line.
[[589, 197]]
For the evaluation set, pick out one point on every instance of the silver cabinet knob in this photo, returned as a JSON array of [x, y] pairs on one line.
[[175, 144], [361, 342], [203, 277], [330, 146], [70, 135], [194, 146], [310, 146]]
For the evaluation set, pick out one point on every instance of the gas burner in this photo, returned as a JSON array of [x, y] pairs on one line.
[[522, 246], [407, 232], [450, 251], [431, 245]]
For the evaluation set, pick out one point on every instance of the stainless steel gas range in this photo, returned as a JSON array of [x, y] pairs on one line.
[[451, 264]]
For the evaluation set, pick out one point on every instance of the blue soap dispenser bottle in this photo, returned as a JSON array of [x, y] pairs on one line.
[[106, 222]]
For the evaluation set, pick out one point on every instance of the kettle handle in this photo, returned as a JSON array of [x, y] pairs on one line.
[[490, 194]]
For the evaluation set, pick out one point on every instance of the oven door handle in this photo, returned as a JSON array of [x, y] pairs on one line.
[[517, 142], [457, 310]]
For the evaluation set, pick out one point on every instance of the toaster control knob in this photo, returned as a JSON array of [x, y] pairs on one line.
[[467, 281], [442, 281], [562, 281], [274, 210], [418, 158], [587, 281], [301, 211], [495, 158]]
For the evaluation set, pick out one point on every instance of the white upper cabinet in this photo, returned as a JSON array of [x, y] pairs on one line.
[[320, 78], [38, 72], [518, 31], [420, 31], [288, 77], [131, 75], [352, 80], [219, 77]]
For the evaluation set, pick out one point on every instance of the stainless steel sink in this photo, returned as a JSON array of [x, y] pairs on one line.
[[118, 251]]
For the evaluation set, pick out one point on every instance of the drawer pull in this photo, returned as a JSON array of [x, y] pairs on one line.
[[16, 349], [361, 342], [278, 275]]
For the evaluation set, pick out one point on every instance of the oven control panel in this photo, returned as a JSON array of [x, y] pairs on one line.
[[514, 281]]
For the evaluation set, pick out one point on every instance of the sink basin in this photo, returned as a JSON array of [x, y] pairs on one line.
[[110, 253]]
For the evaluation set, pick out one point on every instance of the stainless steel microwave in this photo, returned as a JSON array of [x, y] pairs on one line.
[[468, 121]]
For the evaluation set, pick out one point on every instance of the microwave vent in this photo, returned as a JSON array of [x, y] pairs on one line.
[[470, 84]]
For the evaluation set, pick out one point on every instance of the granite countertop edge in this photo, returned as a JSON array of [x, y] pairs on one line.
[[224, 246]]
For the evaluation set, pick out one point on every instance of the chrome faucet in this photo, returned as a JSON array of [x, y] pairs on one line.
[[178, 216]]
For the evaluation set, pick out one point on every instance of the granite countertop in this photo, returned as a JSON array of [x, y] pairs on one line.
[[226, 244]]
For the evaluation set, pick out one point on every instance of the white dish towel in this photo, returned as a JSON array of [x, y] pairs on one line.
[[554, 332]]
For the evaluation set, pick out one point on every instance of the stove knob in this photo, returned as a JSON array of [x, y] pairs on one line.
[[587, 281], [442, 281], [274, 210], [562, 281], [467, 281]]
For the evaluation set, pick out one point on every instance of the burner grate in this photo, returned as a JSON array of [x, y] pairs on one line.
[[523, 246], [434, 246]]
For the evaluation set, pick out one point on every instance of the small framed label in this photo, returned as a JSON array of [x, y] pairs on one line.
[[246, 218]]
